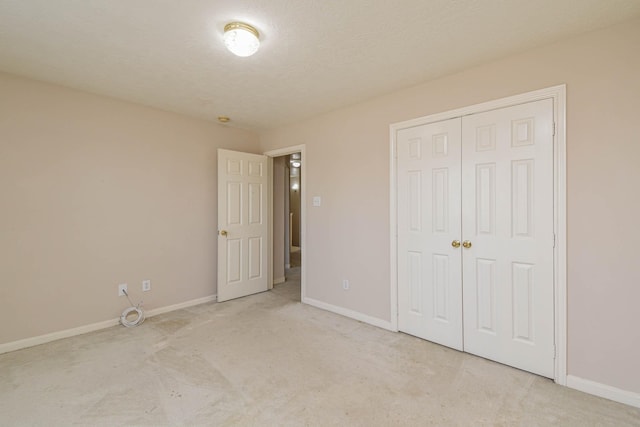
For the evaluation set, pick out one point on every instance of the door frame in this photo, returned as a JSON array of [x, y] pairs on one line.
[[303, 212], [558, 95]]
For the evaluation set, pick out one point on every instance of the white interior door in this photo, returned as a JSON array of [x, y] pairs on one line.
[[242, 224], [507, 206], [429, 275]]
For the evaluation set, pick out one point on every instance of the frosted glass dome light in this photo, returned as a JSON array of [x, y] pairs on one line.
[[241, 39]]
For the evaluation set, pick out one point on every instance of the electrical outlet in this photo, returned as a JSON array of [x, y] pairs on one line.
[[122, 288], [146, 285], [345, 284]]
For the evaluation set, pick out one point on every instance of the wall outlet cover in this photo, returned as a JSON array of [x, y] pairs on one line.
[[122, 288]]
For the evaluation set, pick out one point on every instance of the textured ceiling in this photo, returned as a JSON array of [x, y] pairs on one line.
[[316, 55]]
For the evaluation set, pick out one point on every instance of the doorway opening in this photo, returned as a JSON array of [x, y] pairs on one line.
[[288, 249], [292, 189]]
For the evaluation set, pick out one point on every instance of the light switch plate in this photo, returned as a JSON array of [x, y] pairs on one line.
[[317, 201]]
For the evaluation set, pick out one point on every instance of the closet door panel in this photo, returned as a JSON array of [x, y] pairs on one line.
[[429, 267], [507, 219]]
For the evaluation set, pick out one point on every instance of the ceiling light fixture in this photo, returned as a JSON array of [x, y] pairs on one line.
[[241, 39]]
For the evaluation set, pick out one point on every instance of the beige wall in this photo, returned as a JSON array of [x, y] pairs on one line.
[[96, 192], [347, 161]]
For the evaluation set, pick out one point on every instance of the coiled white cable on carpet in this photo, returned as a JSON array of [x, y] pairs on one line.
[[137, 309]]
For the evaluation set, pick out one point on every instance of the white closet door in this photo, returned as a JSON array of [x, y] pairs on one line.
[[429, 275], [507, 206]]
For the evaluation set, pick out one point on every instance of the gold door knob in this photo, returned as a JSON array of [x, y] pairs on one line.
[[455, 243], [223, 232], [466, 244]]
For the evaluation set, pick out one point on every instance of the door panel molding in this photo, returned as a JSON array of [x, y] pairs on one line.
[[558, 96]]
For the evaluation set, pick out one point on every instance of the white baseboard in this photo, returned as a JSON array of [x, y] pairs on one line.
[[603, 390], [349, 313], [42, 339], [179, 306], [279, 280]]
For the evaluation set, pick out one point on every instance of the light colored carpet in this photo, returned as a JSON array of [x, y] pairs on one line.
[[295, 257], [269, 360]]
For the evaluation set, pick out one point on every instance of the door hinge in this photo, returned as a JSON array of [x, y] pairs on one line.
[[554, 128], [555, 353], [554, 240]]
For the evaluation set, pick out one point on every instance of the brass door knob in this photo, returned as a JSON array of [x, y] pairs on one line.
[[223, 232], [455, 243], [466, 244]]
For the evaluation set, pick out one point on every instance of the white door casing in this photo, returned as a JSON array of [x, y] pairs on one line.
[[507, 283], [430, 298], [242, 224], [507, 216]]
